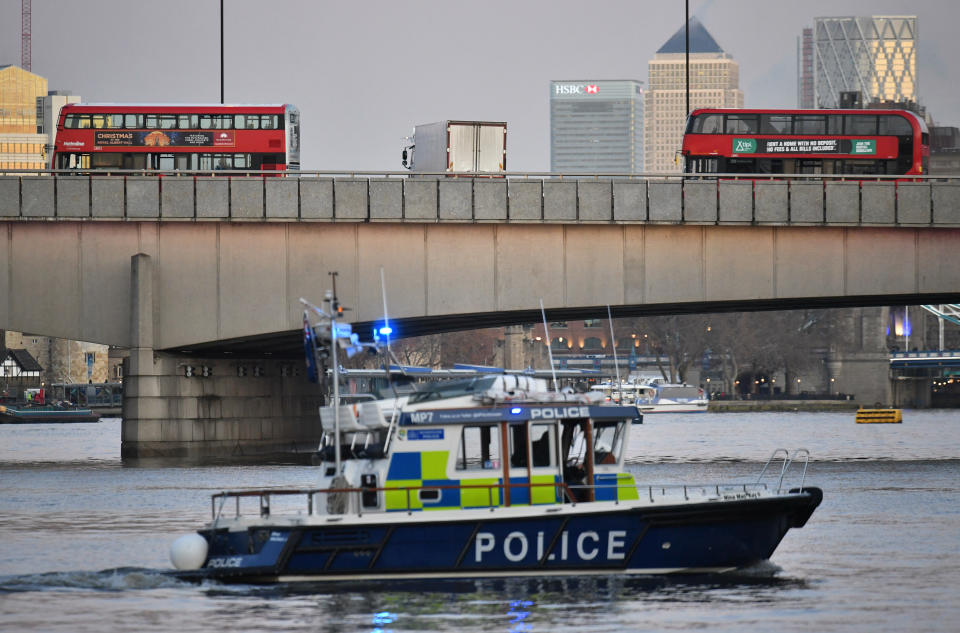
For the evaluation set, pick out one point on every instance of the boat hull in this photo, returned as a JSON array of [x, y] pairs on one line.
[[49, 415], [682, 538]]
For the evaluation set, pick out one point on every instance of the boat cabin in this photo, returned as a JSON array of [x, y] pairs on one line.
[[505, 454]]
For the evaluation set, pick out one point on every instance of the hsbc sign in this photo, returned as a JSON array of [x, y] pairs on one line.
[[576, 89]]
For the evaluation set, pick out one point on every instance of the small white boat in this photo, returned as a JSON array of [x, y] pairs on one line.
[[670, 398], [655, 396]]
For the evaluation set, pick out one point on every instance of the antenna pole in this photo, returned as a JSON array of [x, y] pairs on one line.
[[332, 296], [616, 363], [386, 319], [546, 332]]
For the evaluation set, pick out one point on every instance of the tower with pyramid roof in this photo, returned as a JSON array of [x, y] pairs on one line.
[[714, 83]]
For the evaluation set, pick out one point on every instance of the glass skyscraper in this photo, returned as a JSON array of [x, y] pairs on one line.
[[873, 55], [596, 126]]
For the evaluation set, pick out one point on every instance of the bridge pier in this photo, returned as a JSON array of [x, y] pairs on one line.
[[187, 407]]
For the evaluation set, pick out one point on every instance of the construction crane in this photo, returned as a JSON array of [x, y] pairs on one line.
[[25, 34]]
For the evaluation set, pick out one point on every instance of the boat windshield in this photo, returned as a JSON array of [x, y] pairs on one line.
[[685, 391], [440, 390]]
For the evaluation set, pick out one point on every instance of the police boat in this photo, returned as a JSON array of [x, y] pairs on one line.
[[488, 476]]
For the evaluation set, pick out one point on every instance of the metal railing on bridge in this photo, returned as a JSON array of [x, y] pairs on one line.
[[521, 197]]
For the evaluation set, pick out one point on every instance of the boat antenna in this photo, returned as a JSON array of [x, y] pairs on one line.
[[386, 330], [546, 333], [331, 297], [616, 363]]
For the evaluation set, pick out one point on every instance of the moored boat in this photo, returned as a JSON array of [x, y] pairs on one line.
[[46, 413], [486, 477], [671, 398]]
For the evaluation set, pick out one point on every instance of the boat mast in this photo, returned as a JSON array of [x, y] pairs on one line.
[[331, 298]]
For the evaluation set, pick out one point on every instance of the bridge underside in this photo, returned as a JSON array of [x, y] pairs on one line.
[[289, 344]]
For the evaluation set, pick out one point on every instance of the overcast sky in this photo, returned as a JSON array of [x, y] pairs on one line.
[[363, 73]]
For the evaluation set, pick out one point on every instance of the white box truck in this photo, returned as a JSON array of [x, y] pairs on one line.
[[457, 146]]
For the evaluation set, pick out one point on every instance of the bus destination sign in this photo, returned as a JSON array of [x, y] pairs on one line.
[[804, 146], [158, 138]]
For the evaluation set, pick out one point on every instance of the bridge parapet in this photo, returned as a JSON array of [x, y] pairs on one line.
[[513, 198]]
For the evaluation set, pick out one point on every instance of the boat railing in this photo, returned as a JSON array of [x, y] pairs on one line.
[[494, 495], [353, 498], [786, 460]]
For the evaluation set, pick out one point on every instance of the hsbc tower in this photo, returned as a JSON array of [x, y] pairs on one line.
[[596, 126]]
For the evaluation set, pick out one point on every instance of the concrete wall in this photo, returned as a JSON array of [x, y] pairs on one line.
[[385, 198], [241, 408], [220, 280]]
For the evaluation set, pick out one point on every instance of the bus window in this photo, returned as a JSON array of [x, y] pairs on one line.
[[893, 125], [769, 165], [860, 167], [168, 121], [776, 124], [740, 166], [702, 165], [708, 124], [246, 121], [809, 124], [742, 124], [107, 160], [135, 161], [115, 120], [859, 124], [835, 124], [132, 121], [809, 166], [151, 121], [206, 160], [99, 121], [268, 122], [71, 121], [188, 121]]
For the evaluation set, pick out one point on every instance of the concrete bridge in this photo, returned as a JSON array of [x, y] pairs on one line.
[[219, 263]]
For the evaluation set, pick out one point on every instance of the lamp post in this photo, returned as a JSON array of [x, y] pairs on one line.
[[686, 36], [221, 52]]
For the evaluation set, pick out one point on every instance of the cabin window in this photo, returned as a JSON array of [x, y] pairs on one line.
[[518, 445], [542, 443], [479, 448], [429, 495], [607, 441]]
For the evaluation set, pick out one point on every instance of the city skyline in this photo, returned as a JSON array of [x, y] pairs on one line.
[[364, 78]]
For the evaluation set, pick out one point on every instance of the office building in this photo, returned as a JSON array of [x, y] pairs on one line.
[[714, 83], [21, 145], [596, 126], [873, 56]]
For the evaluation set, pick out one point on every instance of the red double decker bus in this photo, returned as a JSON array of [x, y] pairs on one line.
[[864, 142], [168, 137]]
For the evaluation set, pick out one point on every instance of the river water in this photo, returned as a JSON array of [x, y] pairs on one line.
[[84, 540]]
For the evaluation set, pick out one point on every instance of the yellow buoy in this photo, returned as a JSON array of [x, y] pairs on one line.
[[879, 416]]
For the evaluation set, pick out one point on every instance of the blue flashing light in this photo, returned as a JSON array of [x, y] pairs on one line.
[[516, 410], [386, 330]]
